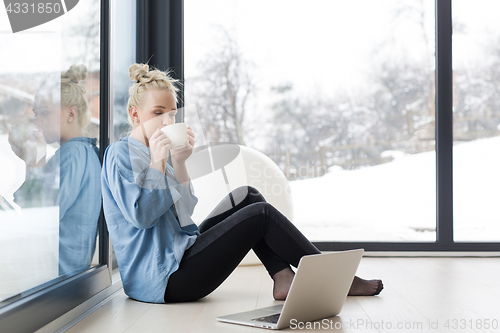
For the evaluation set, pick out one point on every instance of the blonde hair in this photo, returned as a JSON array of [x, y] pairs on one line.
[[73, 92], [68, 89], [144, 80]]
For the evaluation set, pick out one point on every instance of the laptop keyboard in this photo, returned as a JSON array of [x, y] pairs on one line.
[[273, 319]]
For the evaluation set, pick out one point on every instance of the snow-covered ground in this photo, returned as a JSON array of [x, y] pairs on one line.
[[388, 202]]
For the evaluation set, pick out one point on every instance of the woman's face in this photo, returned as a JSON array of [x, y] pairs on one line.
[[158, 110], [48, 119]]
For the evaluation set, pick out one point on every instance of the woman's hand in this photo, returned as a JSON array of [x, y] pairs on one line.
[[25, 144], [181, 155], [159, 146]]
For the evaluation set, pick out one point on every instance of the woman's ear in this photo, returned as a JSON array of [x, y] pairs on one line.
[[72, 114], [134, 114]]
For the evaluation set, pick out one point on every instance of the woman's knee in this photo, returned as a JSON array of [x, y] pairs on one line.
[[272, 214], [255, 193], [248, 193], [267, 212]]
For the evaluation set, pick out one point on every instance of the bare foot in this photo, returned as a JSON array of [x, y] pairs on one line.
[[282, 282], [361, 287]]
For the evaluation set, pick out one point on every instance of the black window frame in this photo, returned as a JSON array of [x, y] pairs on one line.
[[160, 42]]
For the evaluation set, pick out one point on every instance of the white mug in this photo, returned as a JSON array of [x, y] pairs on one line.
[[177, 133]]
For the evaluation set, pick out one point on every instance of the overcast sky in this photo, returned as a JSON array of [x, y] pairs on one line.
[[320, 44], [41, 48], [313, 44], [328, 44]]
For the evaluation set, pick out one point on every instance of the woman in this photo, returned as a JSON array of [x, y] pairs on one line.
[[162, 255], [70, 179]]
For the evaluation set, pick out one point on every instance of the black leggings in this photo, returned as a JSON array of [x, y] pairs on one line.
[[227, 235]]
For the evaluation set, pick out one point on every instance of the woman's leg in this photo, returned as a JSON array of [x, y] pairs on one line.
[[231, 203], [234, 201], [252, 223], [222, 246], [237, 199]]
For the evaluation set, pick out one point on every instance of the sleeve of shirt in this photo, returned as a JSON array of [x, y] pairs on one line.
[[189, 199], [181, 192], [142, 199]]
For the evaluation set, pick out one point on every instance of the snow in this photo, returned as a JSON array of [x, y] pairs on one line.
[[388, 202]]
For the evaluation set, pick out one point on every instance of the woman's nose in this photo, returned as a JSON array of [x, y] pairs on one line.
[[167, 120]]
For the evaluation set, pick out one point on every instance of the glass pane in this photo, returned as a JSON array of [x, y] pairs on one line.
[[50, 196], [124, 57], [476, 117], [339, 94]]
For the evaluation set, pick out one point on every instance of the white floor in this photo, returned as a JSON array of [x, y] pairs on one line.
[[420, 295]]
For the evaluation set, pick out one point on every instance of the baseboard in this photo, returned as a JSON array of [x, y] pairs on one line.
[[73, 316]]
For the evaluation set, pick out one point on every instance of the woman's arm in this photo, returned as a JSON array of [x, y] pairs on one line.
[[179, 159], [141, 198], [181, 174]]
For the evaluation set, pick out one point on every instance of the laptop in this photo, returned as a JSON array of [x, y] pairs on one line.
[[318, 291]]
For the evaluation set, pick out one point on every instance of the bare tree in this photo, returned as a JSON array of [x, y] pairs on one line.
[[477, 96], [403, 97], [403, 83], [321, 131], [222, 90], [82, 42]]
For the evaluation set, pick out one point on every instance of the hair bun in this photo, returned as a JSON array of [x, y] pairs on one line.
[[75, 74], [137, 73]]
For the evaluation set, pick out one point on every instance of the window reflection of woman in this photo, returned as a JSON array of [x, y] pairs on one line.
[[70, 178]]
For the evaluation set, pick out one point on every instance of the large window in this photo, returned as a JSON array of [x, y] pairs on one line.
[[341, 95], [338, 93]]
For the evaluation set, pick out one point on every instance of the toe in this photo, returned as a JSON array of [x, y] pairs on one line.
[[379, 287]]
